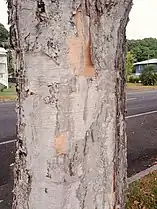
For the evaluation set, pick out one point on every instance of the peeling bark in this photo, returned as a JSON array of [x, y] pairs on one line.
[[71, 149]]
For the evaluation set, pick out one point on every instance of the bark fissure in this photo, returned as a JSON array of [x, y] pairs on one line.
[[41, 6], [84, 199], [85, 144], [120, 145], [71, 169], [41, 11], [72, 161]]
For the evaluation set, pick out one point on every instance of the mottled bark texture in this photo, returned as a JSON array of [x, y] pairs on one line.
[[71, 149]]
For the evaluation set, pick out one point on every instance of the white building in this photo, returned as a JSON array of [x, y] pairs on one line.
[[139, 66], [3, 67]]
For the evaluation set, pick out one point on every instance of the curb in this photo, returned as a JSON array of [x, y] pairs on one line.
[[142, 174], [7, 100], [8, 97]]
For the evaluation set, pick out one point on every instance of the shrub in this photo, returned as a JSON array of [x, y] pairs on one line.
[[133, 79], [137, 79], [149, 76]]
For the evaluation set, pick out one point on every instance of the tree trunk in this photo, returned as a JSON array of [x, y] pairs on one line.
[[71, 149]]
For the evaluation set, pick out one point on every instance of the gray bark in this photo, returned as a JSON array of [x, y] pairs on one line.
[[71, 149]]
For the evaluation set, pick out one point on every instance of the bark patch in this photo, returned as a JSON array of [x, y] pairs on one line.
[[79, 55], [61, 144]]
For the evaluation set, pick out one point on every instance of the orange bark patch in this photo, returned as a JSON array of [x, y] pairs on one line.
[[60, 144], [79, 55], [89, 70]]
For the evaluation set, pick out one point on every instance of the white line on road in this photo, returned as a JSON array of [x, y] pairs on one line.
[[141, 114], [7, 142], [131, 99], [127, 117], [141, 92]]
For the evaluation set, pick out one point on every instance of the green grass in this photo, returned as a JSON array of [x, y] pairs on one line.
[[8, 94], [142, 194]]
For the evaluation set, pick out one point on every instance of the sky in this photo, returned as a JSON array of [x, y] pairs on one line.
[[3, 13], [143, 18], [142, 22]]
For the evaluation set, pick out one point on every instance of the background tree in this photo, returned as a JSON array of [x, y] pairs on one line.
[[143, 49], [149, 76], [10, 63], [3, 34], [130, 60], [71, 149]]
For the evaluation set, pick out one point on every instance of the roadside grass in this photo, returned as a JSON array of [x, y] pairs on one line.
[[8, 94], [142, 194], [136, 86]]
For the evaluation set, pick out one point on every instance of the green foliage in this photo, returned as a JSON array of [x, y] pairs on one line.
[[4, 43], [129, 63], [10, 63], [143, 49], [3, 33], [134, 70], [133, 79], [148, 76]]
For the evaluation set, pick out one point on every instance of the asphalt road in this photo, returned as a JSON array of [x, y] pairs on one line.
[[7, 152], [7, 121], [141, 102], [141, 131]]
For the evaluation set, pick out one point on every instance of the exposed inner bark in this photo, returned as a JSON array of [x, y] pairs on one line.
[[71, 150]]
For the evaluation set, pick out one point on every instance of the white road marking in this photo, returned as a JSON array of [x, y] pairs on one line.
[[141, 92], [8, 142], [141, 114], [127, 117], [131, 99]]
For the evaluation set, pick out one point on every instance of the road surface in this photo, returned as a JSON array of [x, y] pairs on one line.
[[141, 130], [7, 152]]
